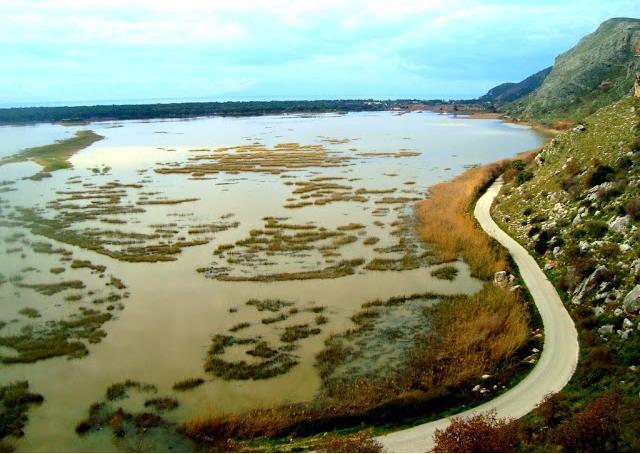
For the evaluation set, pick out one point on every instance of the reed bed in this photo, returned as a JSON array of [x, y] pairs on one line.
[[446, 222]]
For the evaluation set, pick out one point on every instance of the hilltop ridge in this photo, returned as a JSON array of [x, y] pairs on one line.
[[601, 69]]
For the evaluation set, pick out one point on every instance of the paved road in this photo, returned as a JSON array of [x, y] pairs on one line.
[[559, 356]]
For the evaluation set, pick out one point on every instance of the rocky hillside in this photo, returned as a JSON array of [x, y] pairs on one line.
[[599, 70], [510, 91], [576, 207]]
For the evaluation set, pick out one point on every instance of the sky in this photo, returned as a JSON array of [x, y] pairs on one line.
[[97, 51]]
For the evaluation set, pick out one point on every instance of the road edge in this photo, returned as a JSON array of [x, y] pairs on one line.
[[558, 360]]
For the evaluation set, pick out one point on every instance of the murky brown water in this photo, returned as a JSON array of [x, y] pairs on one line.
[[163, 333]]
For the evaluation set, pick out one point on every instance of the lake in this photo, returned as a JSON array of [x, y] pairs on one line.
[[164, 230]]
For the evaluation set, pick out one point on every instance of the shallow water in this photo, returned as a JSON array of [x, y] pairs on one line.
[[163, 333]]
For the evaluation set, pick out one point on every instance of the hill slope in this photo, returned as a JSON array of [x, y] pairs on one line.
[[511, 91], [577, 208], [599, 70]]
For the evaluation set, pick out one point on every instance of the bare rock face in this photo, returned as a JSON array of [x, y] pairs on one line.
[[636, 92], [501, 279], [631, 302], [620, 224], [587, 286]]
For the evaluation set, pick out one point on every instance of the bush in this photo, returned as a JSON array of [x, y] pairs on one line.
[[595, 429], [596, 229], [598, 175], [480, 433], [523, 176], [542, 243], [518, 164], [632, 208]]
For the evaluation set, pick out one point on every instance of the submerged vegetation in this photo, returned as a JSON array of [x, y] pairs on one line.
[[15, 401], [263, 360], [135, 428]]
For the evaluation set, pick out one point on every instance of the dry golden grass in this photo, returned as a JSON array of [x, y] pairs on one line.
[[446, 222], [469, 336]]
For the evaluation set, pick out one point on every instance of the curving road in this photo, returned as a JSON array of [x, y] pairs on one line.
[[559, 355]]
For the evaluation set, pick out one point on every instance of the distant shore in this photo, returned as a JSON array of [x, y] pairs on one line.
[[86, 114]]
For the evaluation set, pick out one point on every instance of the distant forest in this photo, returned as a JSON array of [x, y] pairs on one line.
[[17, 115]]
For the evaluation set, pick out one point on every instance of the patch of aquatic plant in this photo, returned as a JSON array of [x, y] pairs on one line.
[[41, 247], [167, 201], [271, 305], [406, 262], [89, 265], [55, 287], [447, 272], [296, 332], [369, 241], [72, 208], [117, 283], [274, 319], [262, 350], [55, 338], [119, 390], [15, 401], [257, 158], [389, 154], [162, 403], [134, 430], [241, 370], [189, 383], [29, 312], [57, 270], [239, 326], [350, 226], [316, 309], [321, 320], [56, 155], [343, 268]]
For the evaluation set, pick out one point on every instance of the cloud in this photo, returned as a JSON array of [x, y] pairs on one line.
[[94, 49]]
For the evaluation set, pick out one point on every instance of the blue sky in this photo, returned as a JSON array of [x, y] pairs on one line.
[[90, 50]]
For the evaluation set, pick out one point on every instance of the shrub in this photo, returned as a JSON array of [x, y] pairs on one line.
[[480, 433], [524, 176], [542, 243], [595, 429], [598, 175], [518, 164], [632, 208], [596, 229]]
